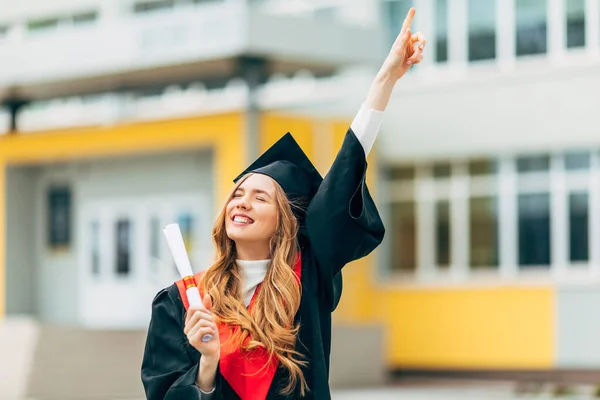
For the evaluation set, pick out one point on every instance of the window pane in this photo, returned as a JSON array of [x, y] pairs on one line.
[[483, 167], [483, 224], [404, 236], [442, 170], [575, 23], [85, 18], [59, 217], [156, 5], [42, 24], [534, 229], [482, 29], [441, 25], [578, 232], [442, 229], [394, 12], [533, 163], [95, 247], [186, 224], [577, 160], [123, 247], [531, 16], [401, 173]]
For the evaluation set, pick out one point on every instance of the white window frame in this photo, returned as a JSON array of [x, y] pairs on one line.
[[505, 186]]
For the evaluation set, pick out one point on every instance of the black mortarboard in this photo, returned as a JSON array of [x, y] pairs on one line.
[[289, 166]]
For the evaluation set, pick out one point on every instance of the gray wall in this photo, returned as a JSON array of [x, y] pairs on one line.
[[20, 260], [578, 330]]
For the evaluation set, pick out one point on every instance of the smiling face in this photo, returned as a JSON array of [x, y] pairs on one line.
[[251, 214]]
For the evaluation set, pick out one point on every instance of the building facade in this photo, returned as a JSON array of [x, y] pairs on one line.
[[491, 154]]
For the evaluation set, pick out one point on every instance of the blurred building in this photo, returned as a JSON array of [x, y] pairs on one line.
[[491, 153], [122, 116]]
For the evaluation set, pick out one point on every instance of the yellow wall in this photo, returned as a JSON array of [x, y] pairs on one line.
[[223, 133], [469, 328], [274, 126]]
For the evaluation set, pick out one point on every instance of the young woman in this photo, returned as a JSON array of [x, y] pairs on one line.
[[281, 239]]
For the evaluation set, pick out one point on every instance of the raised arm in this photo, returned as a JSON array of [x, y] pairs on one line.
[[406, 51], [342, 221]]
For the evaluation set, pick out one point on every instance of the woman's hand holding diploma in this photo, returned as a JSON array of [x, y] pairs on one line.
[[200, 328], [199, 323]]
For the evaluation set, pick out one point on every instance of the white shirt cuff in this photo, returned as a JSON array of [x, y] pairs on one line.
[[207, 395], [366, 126]]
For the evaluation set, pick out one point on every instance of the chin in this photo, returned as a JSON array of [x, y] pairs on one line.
[[236, 235]]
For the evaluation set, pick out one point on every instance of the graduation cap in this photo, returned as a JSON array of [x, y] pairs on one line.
[[289, 166]]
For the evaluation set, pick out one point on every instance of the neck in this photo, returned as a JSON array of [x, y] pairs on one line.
[[252, 251]]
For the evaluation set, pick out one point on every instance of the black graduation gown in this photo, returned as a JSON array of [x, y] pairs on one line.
[[342, 224]]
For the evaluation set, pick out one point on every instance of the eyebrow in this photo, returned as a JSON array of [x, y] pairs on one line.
[[257, 191]]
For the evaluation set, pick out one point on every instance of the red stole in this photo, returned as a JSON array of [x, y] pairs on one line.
[[250, 373]]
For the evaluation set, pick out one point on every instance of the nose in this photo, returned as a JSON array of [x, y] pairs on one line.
[[243, 203]]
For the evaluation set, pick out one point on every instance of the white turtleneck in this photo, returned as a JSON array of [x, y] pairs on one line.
[[254, 272]]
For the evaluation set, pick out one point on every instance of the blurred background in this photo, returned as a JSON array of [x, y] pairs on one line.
[[118, 117]]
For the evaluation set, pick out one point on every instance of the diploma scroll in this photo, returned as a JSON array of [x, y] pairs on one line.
[[182, 261]]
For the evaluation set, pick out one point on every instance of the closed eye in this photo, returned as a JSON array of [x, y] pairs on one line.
[[260, 199]]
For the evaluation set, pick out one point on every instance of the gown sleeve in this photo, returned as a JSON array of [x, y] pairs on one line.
[[170, 365], [342, 221]]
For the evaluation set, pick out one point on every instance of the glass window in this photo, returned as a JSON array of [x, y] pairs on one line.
[[38, 25], [442, 170], [186, 224], [578, 226], [575, 23], [404, 236], [482, 29], [153, 5], [539, 163], [483, 167], [59, 217], [442, 233], [85, 18], [532, 31], [534, 229], [441, 26], [123, 247], [155, 232], [580, 160], [394, 13], [405, 173], [95, 247], [483, 224]]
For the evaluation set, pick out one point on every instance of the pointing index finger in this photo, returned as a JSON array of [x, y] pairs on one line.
[[409, 19]]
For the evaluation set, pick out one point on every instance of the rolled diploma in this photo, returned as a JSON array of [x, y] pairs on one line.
[[182, 261]]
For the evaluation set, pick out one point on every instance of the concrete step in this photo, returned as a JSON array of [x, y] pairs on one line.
[[72, 363], [18, 338]]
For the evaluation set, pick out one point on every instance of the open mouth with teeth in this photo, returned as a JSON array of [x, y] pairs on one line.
[[242, 220]]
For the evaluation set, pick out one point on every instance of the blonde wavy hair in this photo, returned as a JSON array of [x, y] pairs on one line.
[[270, 324]]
